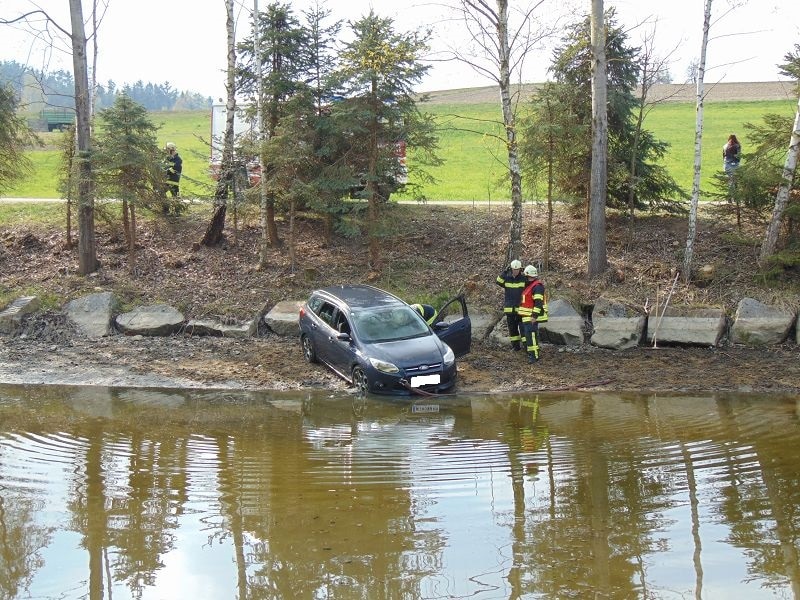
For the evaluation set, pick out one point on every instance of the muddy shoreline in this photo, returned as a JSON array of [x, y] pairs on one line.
[[276, 363]]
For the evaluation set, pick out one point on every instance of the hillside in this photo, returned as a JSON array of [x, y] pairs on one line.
[[432, 252], [671, 92]]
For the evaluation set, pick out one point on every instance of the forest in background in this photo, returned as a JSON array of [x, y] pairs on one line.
[[40, 90]]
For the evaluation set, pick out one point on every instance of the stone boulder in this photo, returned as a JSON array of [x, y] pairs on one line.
[[616, 325], [284, 317], [687, 326], [92, 314], [759, 324], [498, 336], [153, 320], [481, 321], [564, 325], [12, 316], [217, 329]]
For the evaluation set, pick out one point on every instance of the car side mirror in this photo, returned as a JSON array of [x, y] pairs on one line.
[[343, 337], [441, 325]]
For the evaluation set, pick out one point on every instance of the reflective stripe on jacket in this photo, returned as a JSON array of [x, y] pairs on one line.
[[427, 312], [532, 306], [513, 287]]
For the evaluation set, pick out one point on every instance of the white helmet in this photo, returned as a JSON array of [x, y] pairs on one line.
[[515, 264], [530, 271], [170, 146]]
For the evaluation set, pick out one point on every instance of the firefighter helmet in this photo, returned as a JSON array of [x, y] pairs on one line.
[[530, 271], [515, 264]]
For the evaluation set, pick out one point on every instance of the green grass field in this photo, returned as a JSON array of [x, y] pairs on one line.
[[474, 167]]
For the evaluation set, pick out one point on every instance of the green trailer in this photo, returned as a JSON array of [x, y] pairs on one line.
[[57, 118]]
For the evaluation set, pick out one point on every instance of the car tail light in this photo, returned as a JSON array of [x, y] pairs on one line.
[[302, 312]]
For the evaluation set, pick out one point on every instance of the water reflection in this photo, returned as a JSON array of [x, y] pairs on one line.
[[117, 493]]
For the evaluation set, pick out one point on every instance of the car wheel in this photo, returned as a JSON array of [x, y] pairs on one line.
[[360, 381], [309, 352]]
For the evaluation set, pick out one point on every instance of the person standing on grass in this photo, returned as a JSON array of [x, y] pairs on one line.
[[513, 282], [532, 311], [174, 168], [731, 155]]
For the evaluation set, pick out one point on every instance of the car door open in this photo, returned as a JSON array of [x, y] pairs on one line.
[[453, 325]]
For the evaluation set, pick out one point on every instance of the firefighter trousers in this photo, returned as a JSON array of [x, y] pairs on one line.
[[514, 328], [531, 329]]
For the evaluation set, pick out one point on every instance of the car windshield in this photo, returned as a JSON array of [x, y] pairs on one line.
[[386, 324]]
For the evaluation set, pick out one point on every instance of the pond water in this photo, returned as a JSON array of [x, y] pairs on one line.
[[172, 494]]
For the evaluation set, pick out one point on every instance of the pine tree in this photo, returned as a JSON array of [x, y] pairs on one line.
[[127, 164]]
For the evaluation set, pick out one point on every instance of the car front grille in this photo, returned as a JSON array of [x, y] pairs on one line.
[[424, 369]]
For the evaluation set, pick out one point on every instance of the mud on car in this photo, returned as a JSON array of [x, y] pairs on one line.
[[380, 344]]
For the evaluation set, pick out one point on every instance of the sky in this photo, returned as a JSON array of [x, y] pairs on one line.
[[183, 41]]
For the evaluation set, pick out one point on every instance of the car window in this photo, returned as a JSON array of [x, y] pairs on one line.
[[388, 324], [314, 302], [454, 310], [326, 312], [342, 325]]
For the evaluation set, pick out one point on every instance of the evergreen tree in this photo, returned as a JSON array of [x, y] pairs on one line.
[[283, 66], [15, 136], [378, 70], [572, 92], [128, 164]]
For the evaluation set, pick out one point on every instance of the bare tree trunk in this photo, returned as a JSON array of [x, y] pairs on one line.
[[373, 209], [69, 149], [93, 105], [132, 240], [272, 228], [264, 247], [87, 253], [126, 224], [70, 243], [698, 146], [782, 196], [292, 242], [598, 260], [514, 249], [213, 234], [505, 45], [550, 182]]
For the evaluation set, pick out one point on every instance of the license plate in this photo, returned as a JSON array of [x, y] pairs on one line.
[[425, 380], [425, 408]]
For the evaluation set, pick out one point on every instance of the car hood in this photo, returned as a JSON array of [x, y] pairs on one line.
[[405, 353]]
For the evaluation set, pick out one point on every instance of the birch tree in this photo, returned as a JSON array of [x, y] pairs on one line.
[[791, 68], [598, 259], [698, 143], [213, 234], [498, 51]]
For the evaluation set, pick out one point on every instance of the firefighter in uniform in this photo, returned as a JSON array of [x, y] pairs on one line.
[[513, 282], [532, 311], [426, 311]]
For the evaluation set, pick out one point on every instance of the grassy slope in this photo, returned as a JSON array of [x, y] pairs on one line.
[[474, 155]]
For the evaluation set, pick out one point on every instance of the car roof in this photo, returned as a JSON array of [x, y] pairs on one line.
[[360, 296]]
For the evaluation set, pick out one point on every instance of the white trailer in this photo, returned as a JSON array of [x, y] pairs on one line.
[[244, 128]]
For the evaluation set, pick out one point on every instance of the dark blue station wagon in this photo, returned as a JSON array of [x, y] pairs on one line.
[[380, 344]]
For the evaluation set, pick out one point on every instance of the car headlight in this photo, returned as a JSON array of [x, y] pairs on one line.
[[383, 366], [449, 356]]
